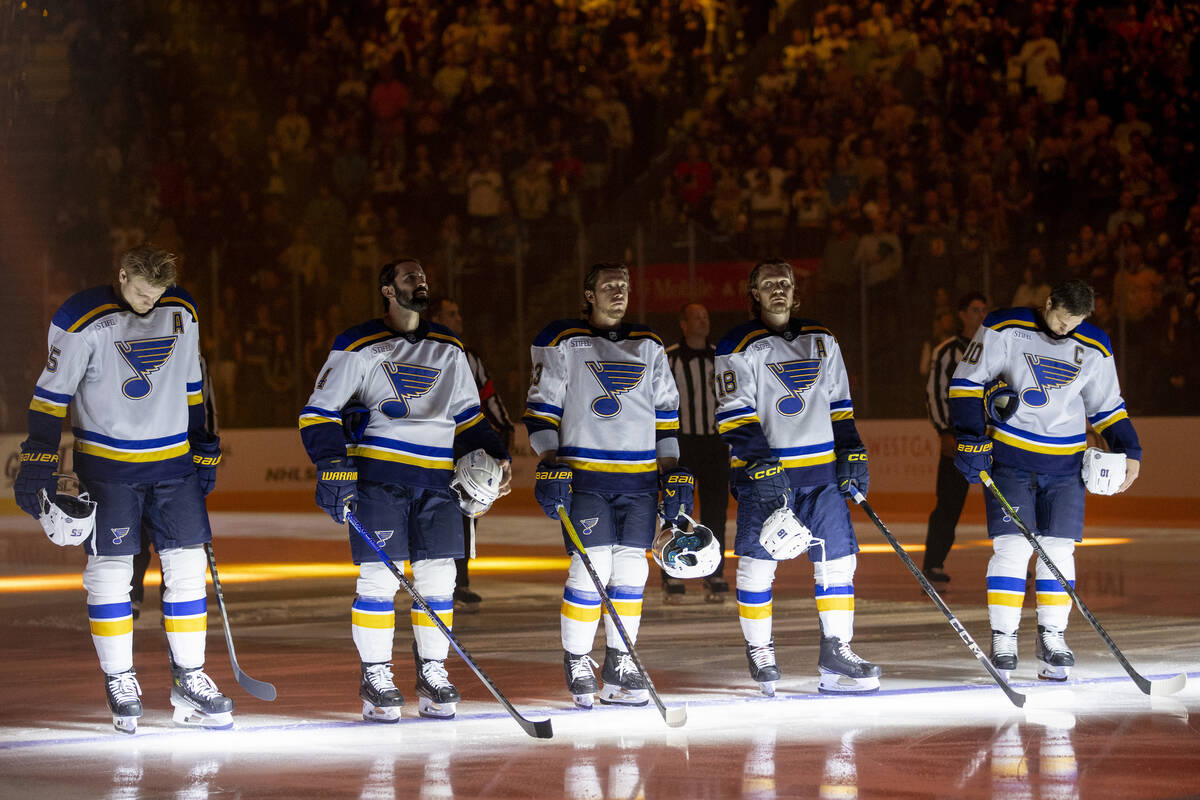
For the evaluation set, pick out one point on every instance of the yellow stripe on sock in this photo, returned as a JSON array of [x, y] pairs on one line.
[[627, 608], [365, 620], [580, 613], [112, 627], [754, 612], [1053, 599], [1006, 599], [838, 603], [196, 624], [420, 618]]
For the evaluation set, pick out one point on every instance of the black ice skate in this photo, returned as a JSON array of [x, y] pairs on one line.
[[1004, 653], [716, 589], [763, 667], [581, 681], [436, 695], [381, 699], [1054, 658], [674, 590], [843, 671], [197, 701], [623, 683], [123, 692]]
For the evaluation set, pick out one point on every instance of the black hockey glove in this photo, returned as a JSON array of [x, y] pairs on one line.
[[205, 457], [1000, 401], [852, 470], [552, 487], [36, 473], [337, 485], [769, 482], [678, 492], [974, 455]]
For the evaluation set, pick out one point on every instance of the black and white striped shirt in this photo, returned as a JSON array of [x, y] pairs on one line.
[[694, 376], [945, 358]]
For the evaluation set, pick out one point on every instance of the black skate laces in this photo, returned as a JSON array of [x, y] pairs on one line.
[[763, 655], [380, 677], [124, 687], [434, 673]]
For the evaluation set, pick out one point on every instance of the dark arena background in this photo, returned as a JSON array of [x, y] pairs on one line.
[[899, 155]]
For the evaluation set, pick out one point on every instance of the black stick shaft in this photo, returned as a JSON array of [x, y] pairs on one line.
[[256, 688]]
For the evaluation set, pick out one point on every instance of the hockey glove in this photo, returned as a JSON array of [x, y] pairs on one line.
[[552, 487], [36, 473], [678, 491], [1000, 401], [337, 485], [769, 482], [974, 455], [852, 470], [205, 457]]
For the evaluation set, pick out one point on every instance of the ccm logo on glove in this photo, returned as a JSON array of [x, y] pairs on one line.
[[766, 472]]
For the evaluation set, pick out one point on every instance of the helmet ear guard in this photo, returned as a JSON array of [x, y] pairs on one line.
[[687, 550], [68, 519], [476, 482]]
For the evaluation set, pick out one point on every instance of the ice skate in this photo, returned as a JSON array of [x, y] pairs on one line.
[[716, 589], [436, 695], [581, 681], [674, 590], [381, 699], [197, 701], [623, 683], [763, 667], [1004, 653], [843, 671], [1054, 658], [123, 692]]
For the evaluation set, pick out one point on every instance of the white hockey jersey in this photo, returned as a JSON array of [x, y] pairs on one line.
[[131, 382], [1063, 384], [606, 401], [785, 396], [420, 397]]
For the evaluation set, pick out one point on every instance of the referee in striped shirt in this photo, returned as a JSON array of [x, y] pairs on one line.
[[951, 485], [701, 449]]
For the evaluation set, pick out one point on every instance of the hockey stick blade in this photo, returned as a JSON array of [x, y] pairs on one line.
[[1013, 695], [1160, 687], [254, 687], [675, 717], [537, 728]]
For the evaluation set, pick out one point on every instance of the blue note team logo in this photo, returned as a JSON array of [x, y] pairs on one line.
[[409, 381], [588, 525], [118, 534], [383, 536], [796, 377], [144, 356], [1048, 373], [615, 378]]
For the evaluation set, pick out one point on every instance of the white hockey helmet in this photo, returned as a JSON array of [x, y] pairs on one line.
[[476, 482], [1103, 472], [68, 519], [686, 551], [784, 536]]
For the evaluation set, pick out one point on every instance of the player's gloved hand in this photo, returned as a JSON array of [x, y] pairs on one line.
[[337, 485], [552, 487], [38, 466], [769, 481], [852, 470], [1000, 401], [973, 455], [678, 491], [206, 454]]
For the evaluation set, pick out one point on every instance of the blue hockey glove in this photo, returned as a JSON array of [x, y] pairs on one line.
[[1000, 401], [974, 455], [552, 487], [852, 470], [36, 473], [770, 484], [337, 485], [678, 491], [205, 457]]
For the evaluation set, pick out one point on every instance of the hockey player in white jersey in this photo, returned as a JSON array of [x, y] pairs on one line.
[[124, 361], [1030, 436], [412, 380], [603, 415], [784, 408]]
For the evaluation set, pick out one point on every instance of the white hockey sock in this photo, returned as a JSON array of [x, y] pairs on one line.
[[834, 592], [110, 614], [373, 613], [754, 579], [185, 604], [1006, 581], [1053, 602], [579, 614], [433, 579], [629, 572]]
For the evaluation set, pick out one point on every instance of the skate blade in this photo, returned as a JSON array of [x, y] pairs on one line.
[[584, 701], [832, 683], [620, 696], [1049, 672], [126, 725], [386, 714], [1004, 673], [431, 710], [767, 688], [188, 717]]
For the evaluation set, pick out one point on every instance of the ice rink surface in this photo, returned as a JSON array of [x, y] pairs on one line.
[[938, 728]]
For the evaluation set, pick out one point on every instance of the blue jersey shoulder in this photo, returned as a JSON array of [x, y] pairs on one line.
[[443, 334], [637, 331], [1004, 318], [178, 296], [1088, 334], [363, 335], [559, 330], [741, 337], [84, 308]]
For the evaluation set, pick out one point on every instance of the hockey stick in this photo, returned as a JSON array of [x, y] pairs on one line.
[[1016, 697], [1152, 687], [675, 717], [260, 689], [538, 729]]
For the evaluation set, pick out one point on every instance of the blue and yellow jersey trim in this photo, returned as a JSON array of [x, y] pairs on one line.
[[610, 461], [84, 308], [466, 419], [746, 334], [1027, 319], [1106, 419], [176, 296], [135, 451], [396, 451], [559, 331], [841, 409], [312, 415], [51, 403], [1091, 336], [809, 455], [964, 388], [735, 418], [368, 333], [666, 420], [1038, 442], [195, 393], [543, 414]]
